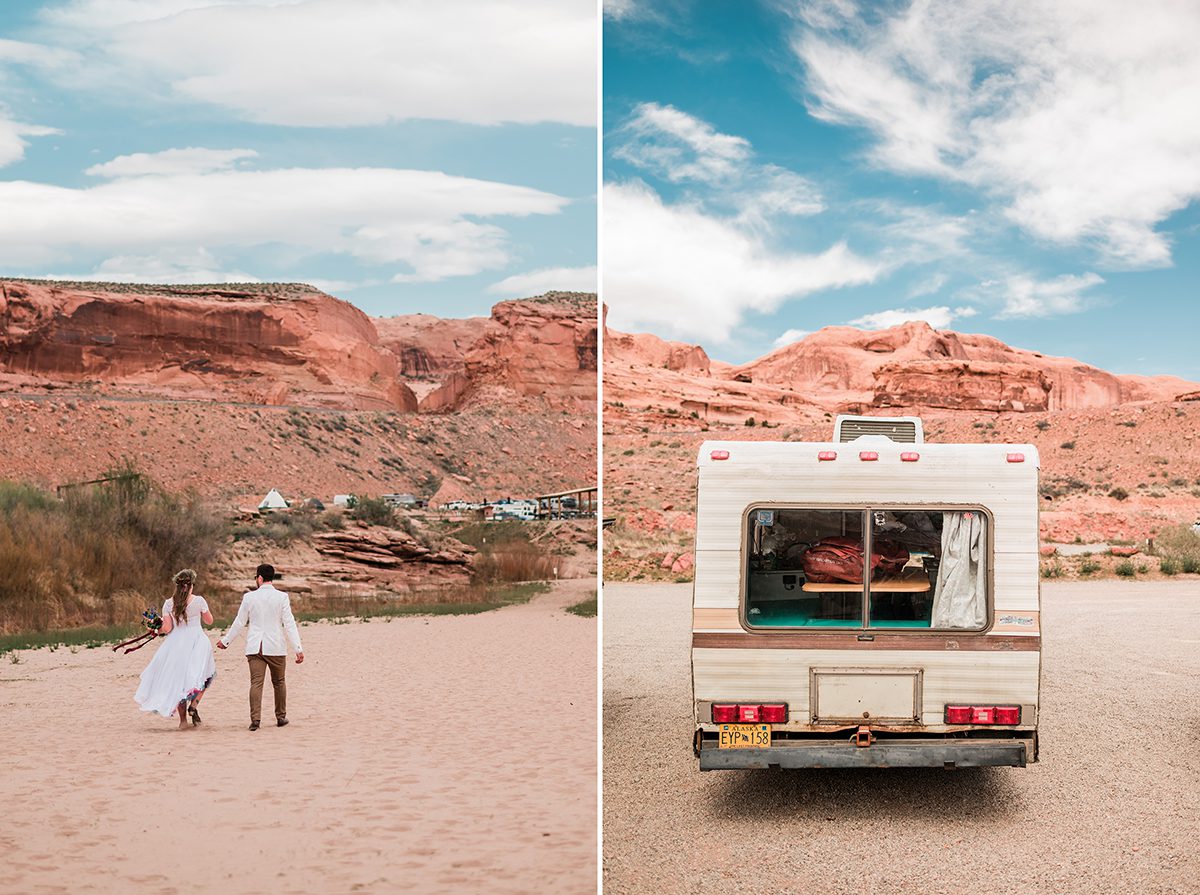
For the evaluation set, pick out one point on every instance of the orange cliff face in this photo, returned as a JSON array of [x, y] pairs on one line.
[[541, 348], [844, 369], [276, 344]]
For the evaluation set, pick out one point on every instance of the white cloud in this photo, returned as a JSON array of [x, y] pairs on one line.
[[1025, 296], [349, 62], [13, 131], [682, 273], [681, 148], [1078, 115], [12, 138], [938, 317], [553, 279], [192, 160], [791, 335], [170, 266], [425, 223], [620, 9], [928, 286]]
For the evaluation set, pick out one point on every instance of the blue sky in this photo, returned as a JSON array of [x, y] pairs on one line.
[[405, 156], [1020, 169]]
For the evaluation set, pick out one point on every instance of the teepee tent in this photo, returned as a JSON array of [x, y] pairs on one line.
[[273, 501]]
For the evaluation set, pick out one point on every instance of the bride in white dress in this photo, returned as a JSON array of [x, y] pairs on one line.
[[182, 669]]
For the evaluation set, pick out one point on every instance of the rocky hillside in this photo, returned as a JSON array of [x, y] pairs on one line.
[[290, 345], [842, 369], [1120, 454], [232, 390]]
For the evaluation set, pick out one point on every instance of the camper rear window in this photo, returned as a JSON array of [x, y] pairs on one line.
[[808, 568]]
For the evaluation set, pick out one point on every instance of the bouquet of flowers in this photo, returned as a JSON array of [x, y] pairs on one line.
[[153, 622]]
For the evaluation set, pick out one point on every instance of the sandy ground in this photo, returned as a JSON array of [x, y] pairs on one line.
[[447, 754], [1110, 808]]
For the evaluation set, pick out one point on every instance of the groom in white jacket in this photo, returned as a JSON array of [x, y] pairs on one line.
[[268, 612]]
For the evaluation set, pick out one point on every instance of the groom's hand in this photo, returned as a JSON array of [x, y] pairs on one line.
[[220, 645], [299, 658]]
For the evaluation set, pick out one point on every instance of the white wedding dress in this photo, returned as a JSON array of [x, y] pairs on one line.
[[183, 665]]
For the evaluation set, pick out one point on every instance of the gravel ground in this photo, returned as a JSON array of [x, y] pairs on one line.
[[1111, 806]]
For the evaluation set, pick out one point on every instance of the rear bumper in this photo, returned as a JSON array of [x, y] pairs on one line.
[[899, 753]]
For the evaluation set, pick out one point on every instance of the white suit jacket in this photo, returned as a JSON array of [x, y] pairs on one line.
[[268, 612]]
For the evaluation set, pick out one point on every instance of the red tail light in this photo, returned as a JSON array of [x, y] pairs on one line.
[[868, 455], [910, 457], [749, 714], [720, 455], [983, 714], [955, 714], [1015, 458], [774, 713], [724, 713], [827, 455]]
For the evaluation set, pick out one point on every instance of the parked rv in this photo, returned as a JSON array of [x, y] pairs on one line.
[[871, 601]]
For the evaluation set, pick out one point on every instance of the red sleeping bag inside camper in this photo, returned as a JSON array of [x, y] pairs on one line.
[[841, 559]]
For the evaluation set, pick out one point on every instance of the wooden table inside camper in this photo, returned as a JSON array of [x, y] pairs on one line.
[[835, 593]]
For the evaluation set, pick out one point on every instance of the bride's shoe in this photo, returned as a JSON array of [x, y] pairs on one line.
[[195, 715]]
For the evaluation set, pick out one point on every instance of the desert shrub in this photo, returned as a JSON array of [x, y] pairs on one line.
[[373, 511], [1042, 425], [1118, 493], [284, 528], [1068, 445], [1124, 569], [507, 552], [1189, 565], [1168, 566], [1178, 543], [1088, 567], [1052, 570], [100, 554], [517, 561], [750, 421]]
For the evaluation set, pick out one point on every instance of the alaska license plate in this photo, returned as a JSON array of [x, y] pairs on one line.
[[744, 736]]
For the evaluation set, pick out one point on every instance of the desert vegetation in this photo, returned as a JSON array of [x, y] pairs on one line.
[[99, 554], [507, 552]]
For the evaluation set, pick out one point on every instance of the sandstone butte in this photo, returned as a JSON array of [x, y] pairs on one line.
[[290, 344], [1120, 454]]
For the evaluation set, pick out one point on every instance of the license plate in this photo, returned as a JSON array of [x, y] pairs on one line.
[[744, 736]]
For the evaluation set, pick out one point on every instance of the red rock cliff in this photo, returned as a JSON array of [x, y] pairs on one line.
[[269, 344], [544, 347]]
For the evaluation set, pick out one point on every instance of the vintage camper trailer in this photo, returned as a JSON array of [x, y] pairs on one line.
[[866, 602]]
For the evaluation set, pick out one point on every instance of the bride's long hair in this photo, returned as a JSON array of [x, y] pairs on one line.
[[183, 583]]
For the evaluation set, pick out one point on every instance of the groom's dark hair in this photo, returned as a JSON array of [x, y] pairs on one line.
[[266, 572]]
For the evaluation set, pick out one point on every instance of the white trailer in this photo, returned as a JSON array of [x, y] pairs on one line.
[[931, 658]]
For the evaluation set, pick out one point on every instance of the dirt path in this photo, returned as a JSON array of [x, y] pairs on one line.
[[446, 754], [1111, 808]]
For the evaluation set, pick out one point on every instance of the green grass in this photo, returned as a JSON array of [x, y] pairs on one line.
[[338, 610], [585, 608]]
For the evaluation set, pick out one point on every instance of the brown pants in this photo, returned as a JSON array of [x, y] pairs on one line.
[[258, 670]]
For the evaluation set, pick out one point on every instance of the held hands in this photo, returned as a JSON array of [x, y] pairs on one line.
[[299, 658], [220, 645]]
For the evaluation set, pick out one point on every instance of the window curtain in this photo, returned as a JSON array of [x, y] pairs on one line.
[[960, 600]]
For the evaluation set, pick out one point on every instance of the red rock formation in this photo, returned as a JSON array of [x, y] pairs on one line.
[[543, 347], [643, 349], [259, 344], [841, 368], [429, 347]]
